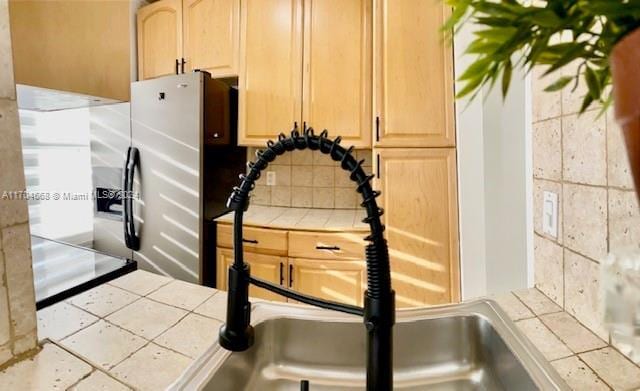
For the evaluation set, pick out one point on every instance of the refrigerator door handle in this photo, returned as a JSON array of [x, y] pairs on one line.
[[131, 239]]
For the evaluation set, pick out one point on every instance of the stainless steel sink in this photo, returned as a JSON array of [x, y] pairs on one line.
[[472, 346]]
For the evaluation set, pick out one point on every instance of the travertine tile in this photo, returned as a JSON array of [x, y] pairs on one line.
[[302, 176], [581, 290], [281, 196], [537, 302], [182, 294], [7, 84], [146, 318], [215, 307], [613, 368], [16, 244], [320, 159], [539, 187], [578, 338], [624, 220], [283, 174], [323, 176], [61, 320], [302, 197], [585, 219], [5, 332], [191, 336], [12, 211], [302, 157], [323, 197], [341, 178], [5, 353], [547, 147], [99, 381], [103, 344], [51, 369], [103, 299], [140, 282], [25, 343], [619, 170], [261, 195], [543, 339], [578, 375], [345, 198], [548, 268], [151, 368], [545, 104], [513, 306], [584, 149]]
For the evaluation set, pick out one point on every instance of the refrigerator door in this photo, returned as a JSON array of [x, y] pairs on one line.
[[166, 123], [110, 127]]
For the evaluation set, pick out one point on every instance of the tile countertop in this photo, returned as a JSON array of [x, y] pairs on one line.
[[305, 219], [113, 336]]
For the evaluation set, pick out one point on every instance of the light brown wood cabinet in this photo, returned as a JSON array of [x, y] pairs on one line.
[[420, 201], [414, 75], [271, 268], [204, 34], [327, 86], [343, 281], [159, 38], [314, 263], [76, 46], [211, 33], [270, 80]]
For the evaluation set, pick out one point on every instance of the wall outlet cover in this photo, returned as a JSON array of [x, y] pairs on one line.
[[550, 213], [271, 178]]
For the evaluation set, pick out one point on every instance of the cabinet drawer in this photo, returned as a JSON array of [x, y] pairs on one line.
[[260, 240], [342, 245]]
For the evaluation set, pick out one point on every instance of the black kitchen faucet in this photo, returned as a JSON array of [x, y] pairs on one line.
[[379, 299]]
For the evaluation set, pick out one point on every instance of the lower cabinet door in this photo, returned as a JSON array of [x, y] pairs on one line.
[[271, 268], [342, 281]]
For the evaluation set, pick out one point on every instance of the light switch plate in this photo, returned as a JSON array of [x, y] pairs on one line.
[[550, 213], [271, 178]]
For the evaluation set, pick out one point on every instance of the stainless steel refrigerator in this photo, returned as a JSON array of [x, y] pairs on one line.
[[149, 161]]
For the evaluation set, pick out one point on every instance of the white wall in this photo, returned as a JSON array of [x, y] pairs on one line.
[[494, 178]]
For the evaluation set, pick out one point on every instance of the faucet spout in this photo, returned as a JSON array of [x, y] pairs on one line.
[[379, 299]]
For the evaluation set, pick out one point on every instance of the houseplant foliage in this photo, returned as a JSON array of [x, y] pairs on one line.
[[601, 36], [553, 34]]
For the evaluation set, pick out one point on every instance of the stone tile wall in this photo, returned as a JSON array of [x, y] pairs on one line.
[[17, 297], [308, 179], [582, 158]]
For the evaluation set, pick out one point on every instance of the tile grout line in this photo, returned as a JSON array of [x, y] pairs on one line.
[[86, 361]]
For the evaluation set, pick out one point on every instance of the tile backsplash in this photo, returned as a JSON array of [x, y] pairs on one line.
[[582, 159], [308, 179]]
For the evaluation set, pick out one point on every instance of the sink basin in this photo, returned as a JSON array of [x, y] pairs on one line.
[[471, 346]]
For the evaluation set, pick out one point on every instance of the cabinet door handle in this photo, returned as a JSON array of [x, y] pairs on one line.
[[304, 125], [182, 64], [295, 125], [252, 241], [281, 273], [332, 248], [290, 275], [177, 66]]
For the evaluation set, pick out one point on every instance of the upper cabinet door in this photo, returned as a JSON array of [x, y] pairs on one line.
[[270, 81], [419, 198], [211, 31], [414, 75], [159, 38], [338, 69]]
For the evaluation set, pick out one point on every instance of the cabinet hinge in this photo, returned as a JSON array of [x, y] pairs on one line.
[[377, 128]]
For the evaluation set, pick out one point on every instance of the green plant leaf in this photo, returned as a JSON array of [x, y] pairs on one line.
[[480, 66], [559, 84], [506, 78], [586, 102], [593, 84]]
